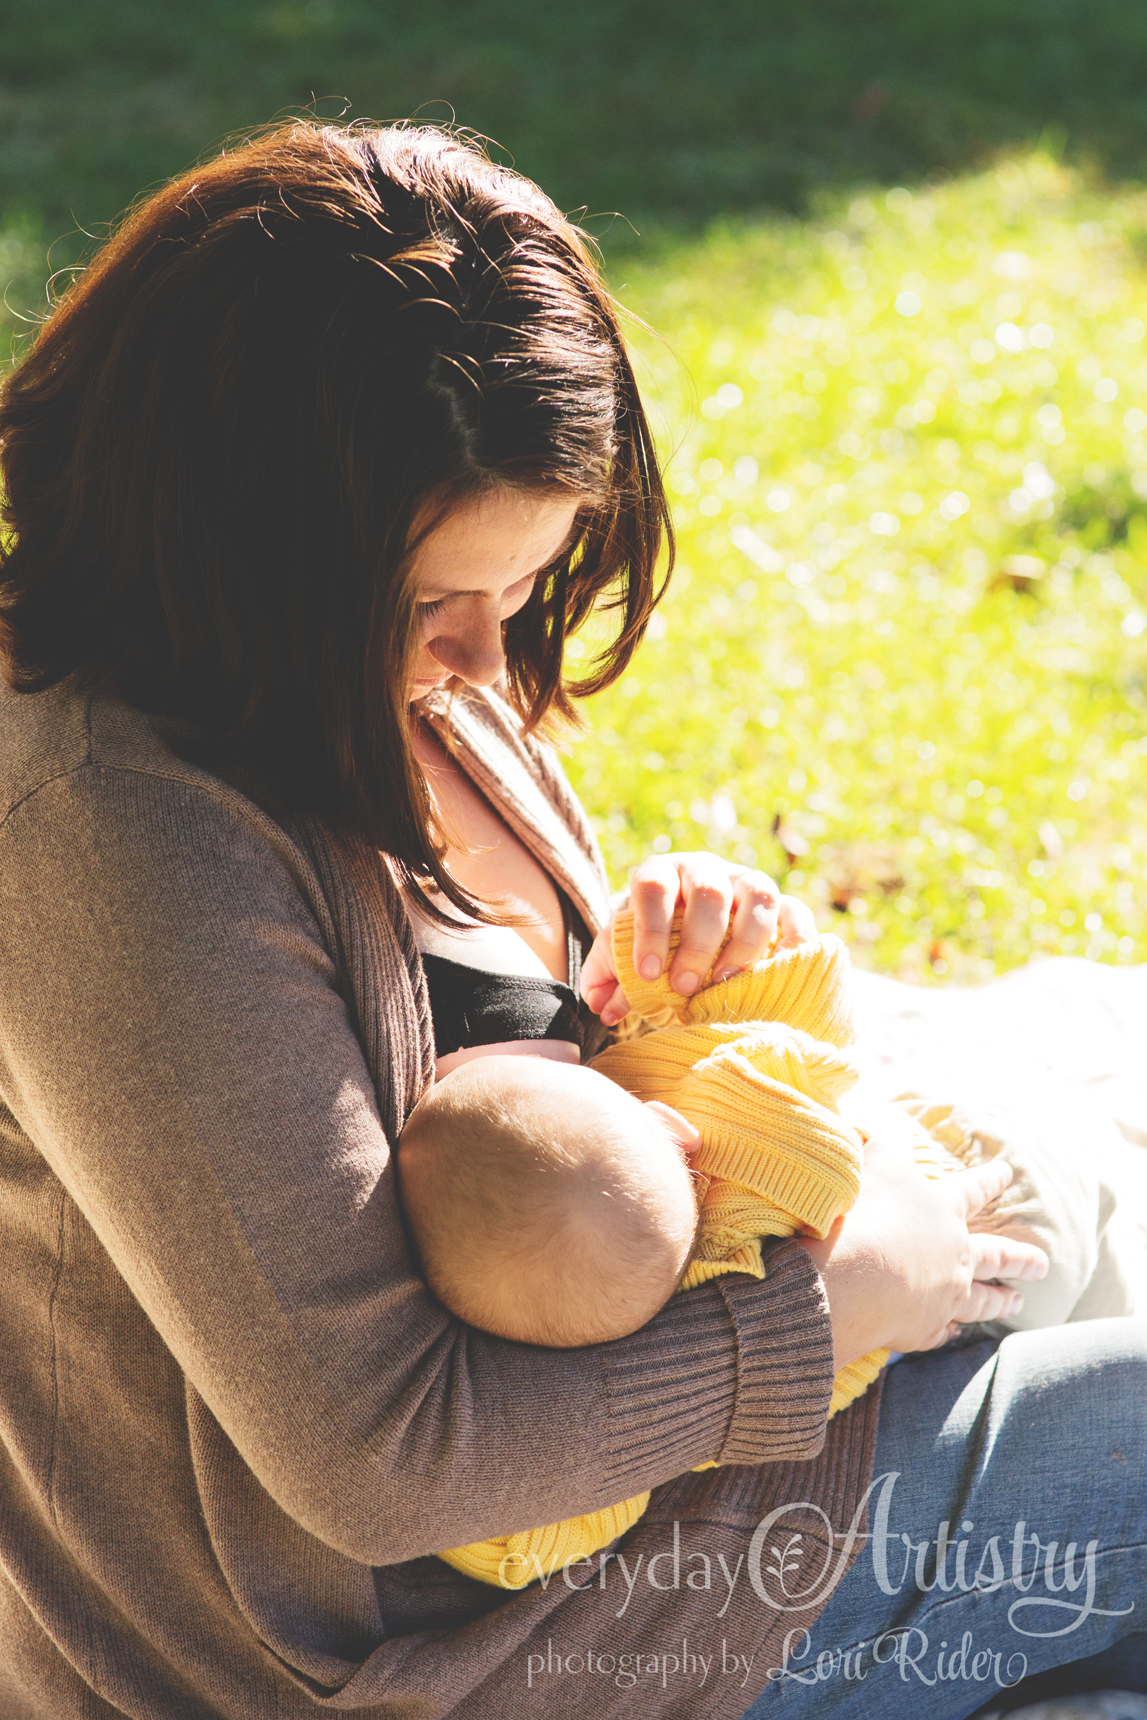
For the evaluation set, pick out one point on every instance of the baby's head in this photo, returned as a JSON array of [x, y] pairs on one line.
[[548, 1204]]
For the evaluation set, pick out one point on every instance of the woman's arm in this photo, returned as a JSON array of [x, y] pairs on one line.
[[173, 1041]]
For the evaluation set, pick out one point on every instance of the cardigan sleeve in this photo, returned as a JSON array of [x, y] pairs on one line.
[[174, 1043]]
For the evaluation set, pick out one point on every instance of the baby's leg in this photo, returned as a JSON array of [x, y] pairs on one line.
[[1078, 1190]]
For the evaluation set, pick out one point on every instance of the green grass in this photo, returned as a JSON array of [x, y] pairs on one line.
[[950, 742], [674, 109], [909, 621]]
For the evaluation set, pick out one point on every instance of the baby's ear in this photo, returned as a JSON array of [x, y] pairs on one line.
[[682, 1130]]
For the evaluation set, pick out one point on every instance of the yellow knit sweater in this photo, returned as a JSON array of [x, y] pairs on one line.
[[756, 1064]]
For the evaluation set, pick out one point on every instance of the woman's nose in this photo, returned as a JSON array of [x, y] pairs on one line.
[[476, 655]]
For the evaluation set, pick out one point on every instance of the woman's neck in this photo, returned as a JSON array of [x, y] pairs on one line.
[[487, 859]]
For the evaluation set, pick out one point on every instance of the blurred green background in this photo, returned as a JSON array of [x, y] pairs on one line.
[[896, 255]]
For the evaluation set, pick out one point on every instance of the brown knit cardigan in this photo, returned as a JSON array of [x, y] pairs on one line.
[[234, 1424]]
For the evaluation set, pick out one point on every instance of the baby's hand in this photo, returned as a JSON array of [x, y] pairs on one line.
[[557, 1050]]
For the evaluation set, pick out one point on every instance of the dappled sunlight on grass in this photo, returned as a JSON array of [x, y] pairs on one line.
[[903, 664]]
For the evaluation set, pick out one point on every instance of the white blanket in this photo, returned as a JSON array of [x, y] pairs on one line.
[[1047, 1065], [1062, 1022]]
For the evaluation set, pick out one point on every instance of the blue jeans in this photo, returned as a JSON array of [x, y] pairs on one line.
[[991, 1461]]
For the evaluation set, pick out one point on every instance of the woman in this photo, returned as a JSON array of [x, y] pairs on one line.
[[337, 433]]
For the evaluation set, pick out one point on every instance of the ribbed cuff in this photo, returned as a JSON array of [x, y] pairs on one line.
[[739, 1371], [786, 1357]]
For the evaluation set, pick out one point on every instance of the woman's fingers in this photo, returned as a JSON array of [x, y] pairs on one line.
[[757, 905], [990, 1302], [736, 911], [599, 981], [705, 884], [762, 920], [654, 890], [614, 1009], [1004, 1257], [599, 984], [796, 924], [708, 894], [994, 1256], [981, 1185], [717, 897]]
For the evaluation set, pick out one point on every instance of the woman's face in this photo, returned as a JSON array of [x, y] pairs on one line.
[[476, 568]]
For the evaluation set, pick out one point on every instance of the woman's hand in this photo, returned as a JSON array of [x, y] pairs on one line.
[[901, 1268], [720, 899]]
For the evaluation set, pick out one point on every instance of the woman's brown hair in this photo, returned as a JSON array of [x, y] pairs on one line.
[[220, 447]]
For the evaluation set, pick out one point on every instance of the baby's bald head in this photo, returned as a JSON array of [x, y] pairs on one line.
[[548, 1205]]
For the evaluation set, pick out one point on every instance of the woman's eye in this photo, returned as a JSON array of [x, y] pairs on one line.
[[426, 610]]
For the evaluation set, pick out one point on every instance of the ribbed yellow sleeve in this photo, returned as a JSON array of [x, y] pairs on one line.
[[777, 1159], [806, 987], [757, 1066]]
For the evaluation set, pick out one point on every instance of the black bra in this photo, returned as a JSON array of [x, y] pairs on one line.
[[471, 1006]]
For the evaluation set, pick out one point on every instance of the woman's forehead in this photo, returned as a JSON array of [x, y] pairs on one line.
[[492, 540]]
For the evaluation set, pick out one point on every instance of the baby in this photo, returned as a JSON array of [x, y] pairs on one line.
[[555, 1206], [548, 1204]]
